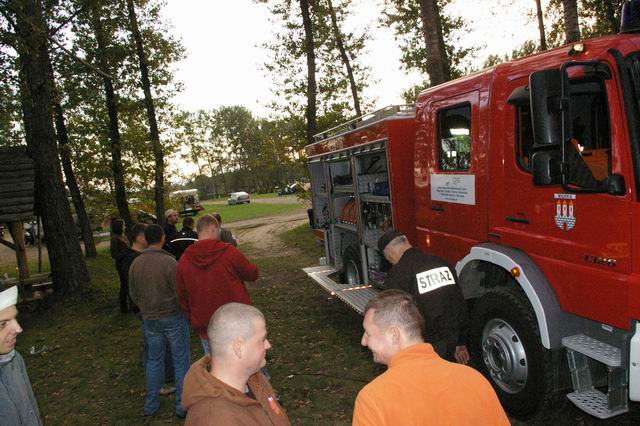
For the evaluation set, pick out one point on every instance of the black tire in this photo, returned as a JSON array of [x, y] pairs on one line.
[[506, 348], [351, 266]]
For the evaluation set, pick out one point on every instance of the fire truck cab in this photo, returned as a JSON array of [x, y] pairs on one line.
[[526, 178]]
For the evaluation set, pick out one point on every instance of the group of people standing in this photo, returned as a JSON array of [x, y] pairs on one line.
[[176, 278], [417, 328]]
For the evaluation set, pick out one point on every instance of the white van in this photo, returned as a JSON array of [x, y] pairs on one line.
[[238, 198]]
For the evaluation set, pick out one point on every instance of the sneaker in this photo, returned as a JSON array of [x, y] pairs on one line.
[[167, 390]]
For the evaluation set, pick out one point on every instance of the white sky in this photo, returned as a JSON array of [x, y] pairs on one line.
[[224, 58]]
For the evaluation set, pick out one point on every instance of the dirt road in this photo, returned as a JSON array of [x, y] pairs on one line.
[[258, 236], [284, 199]]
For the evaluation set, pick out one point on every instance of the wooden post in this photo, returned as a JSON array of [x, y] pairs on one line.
[[17, 233]]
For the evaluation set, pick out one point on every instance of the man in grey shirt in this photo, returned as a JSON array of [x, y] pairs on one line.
[[18, 406], [152, 286]]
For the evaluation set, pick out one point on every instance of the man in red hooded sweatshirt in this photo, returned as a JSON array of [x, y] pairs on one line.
[[210, 274]]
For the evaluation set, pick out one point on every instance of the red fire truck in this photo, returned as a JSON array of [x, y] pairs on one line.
[[526, 178]]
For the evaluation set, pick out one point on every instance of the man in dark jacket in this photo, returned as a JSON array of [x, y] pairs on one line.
[[170, 219], [118, 247], [435, 289], [183, 239], [210, 274], [17, 403], [152, 287], [138, 243], [225, 235]]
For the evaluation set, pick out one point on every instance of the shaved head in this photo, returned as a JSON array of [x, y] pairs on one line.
[[230, 322]]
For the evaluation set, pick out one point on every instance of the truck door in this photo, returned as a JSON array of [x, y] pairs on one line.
[[580, 241], [452, 214]]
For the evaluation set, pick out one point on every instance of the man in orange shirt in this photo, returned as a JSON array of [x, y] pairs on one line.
[[419, 387]]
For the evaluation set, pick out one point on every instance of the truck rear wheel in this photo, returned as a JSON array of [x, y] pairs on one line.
[[506, 348], [351, 266]]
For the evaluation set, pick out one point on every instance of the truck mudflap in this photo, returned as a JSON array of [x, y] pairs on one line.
[[355, 296]]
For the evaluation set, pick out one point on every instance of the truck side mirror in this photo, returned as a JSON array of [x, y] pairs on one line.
[[547, 105], [545, 167], [615, 185]]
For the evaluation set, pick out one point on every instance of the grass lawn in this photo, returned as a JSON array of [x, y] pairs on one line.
[[247, 211], [92, 371]]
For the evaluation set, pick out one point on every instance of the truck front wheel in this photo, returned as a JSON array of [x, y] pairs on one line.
[[506, 348]]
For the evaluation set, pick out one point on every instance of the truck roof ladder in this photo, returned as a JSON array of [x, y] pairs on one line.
[[367, 119]]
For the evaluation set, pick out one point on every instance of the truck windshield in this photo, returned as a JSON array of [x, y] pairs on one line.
[[633, 62]]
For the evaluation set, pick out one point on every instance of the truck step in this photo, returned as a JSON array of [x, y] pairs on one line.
[[600, 351], [595, 403], [581, 348], [355, 296]]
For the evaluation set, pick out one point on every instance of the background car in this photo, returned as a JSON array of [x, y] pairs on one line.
[[238, 198]]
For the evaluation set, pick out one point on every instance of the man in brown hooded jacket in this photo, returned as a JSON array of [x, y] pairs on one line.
[[228, 387]]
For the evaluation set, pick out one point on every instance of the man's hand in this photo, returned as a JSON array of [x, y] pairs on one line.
[[461, 355]]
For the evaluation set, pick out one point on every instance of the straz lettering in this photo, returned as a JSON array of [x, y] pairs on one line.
[[433, 279]]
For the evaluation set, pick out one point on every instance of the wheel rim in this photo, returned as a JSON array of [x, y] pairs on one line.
[[504, 356], [351, 273]]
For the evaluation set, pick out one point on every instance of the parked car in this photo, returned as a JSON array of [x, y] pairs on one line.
[[146, 217], [238, 198]]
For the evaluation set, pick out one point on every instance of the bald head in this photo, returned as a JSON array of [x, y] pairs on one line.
[[396, 248], [208, 228], [230, 322]]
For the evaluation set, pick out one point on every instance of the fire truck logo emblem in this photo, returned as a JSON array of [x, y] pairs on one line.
[[565, 209]]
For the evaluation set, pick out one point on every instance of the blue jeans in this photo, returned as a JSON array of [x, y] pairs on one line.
[[169, 376], [175, 330], [205, 346]]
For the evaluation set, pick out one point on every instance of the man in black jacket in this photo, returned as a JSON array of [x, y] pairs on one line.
[[225, 235], [138, 243], [435, 289], [183, 239]]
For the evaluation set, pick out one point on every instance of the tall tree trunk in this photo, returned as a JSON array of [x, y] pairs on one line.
[[312, 88], [151, 112], [571, 25], [224, 179], [345, 59], [437, 62], [68, 267], [611, 17], [70, 176], [543, 37], [112, 110]]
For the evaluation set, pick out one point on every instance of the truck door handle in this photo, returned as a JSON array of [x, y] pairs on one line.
[[437, 208], [517, 220]]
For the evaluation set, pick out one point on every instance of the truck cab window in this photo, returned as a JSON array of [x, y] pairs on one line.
[[589, 150], [524, 136], [454, 138], [633, 62]]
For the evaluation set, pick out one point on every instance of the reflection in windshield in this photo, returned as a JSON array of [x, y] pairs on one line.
[[633, 62]]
